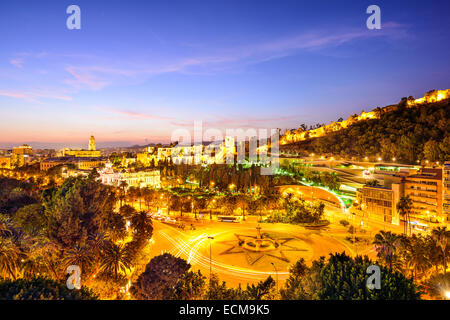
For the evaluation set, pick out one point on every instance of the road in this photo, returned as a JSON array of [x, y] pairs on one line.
[[193, 246]]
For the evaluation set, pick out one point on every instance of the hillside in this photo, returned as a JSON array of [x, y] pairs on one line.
[[408, 131]]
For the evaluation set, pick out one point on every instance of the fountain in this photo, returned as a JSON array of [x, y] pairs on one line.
[[260, 243]]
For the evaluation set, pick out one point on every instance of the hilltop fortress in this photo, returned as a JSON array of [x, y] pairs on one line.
[[295, 135]]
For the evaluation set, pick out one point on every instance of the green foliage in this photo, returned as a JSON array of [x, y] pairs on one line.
[[409, 134], [41, 288], [31, 218], [217, 290], [344, 278], [160, 277], [298, 211], [263, 290], [77, 210], [189, 287]]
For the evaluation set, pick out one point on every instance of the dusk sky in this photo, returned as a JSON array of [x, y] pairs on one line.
[[137, 70]]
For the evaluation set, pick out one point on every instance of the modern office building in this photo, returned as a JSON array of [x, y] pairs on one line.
[[446, 187], [427, 190]]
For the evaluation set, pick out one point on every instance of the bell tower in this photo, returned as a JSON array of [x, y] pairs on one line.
[[92, 143]]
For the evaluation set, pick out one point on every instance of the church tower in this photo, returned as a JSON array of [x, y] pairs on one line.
[[92, 143]]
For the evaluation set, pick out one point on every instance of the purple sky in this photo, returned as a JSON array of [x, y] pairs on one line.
[[138, 70]]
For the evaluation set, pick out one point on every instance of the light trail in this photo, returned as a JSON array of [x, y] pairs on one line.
[[191, 250]]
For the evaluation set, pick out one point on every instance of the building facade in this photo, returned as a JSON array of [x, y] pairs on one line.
[[427, 188], [139, 179], [82, 153], [446, 187]]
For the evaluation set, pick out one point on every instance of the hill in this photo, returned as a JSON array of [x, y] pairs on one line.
[[413, 129]]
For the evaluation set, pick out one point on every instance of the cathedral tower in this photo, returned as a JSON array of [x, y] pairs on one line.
[[92, 143]]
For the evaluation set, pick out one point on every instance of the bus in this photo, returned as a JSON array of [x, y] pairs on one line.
[[228, 219]]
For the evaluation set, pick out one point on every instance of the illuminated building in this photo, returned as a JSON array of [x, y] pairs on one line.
[[19, 157], [23, 150], [446, 187], [292, 136], [92, 144], [379, 203], [5, 162], [425, 189], [91, 152], [146, 159], [81, 163], [140, 179]]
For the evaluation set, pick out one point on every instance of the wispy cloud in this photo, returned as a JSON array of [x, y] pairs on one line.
[[17, 62], [233, 122], [96, 76], [95, 73], [33, 96], [135, 115], [82, 79]]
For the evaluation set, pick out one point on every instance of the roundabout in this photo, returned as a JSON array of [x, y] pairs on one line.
[[260, 250], [241, 253]]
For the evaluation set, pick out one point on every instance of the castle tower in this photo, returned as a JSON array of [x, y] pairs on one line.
[[92, 143]]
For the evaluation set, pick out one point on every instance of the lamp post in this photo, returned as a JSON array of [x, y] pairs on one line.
[[276, 273], [210, 260]]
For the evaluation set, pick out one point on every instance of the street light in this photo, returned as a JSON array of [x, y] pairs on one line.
[[447, 294], [210, 260], [276, 273]]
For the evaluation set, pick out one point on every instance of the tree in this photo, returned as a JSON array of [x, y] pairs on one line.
[[8, 258], [404, 208], [81, 256], [262, 290], [442, 235], [31, 218], [41, 288], [217, 290], [190, 286], [127, 211], [142, 225], [431, 150], [294, 290], [344, 278], [115, 260], [160, 277], [116, 227], [385, 244]]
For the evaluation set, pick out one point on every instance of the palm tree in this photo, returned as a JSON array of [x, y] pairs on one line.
[[5, 226], [386, 243], [8, 258], [417, 256], [97, 243], [123, 187], [142, 224], [115, 259], [441, 235], [81, 256], [404, 208]]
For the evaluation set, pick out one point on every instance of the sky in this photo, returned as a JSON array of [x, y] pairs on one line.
[[138, 70]]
